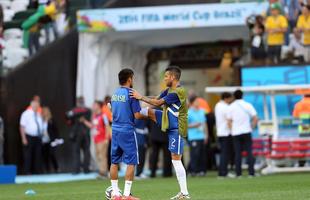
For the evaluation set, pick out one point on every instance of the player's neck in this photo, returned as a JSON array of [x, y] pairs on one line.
[[175, 85], [125, 86]]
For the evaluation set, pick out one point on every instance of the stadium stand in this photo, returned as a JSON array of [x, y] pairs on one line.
[[15, 13]]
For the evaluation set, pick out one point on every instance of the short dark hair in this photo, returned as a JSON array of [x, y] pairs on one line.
[[226, 95], [238, 94], [192, 99], [107, 99], [124, 75], [100, 103], [175, 70]]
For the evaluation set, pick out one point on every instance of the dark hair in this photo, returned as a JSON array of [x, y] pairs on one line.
[[305, 5], [307, 95], [238, 94], [225, 95], [192, 99], [100, 103], [175, 70], [124, 75], [107, 99]]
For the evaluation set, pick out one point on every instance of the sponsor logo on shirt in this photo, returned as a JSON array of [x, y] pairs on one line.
[[120, 98]]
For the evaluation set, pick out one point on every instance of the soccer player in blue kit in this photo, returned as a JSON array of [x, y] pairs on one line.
[[173, 120], [124, 146]]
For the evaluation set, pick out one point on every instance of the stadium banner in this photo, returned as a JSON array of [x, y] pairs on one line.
[[167, 17]]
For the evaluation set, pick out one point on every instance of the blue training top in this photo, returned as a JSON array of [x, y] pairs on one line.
[[123, 109], [173, 102]]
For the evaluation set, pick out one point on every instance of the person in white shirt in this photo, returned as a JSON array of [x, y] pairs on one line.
[[296, 47], [223, 132], [31, 131], [242, 118]]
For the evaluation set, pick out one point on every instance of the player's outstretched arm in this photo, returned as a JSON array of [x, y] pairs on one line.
[[146, 113], [155, 102]]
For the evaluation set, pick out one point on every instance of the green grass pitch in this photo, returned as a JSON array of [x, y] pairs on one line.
[[272, 187]]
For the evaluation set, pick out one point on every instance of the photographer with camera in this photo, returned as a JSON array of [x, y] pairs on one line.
[[79, 135]]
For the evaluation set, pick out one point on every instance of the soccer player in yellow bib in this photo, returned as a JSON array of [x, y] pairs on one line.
[[276, 27], [173, 120], [303, 25]]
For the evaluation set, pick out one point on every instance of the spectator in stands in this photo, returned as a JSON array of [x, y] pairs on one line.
[[292, 9], [100, 129], [257, 31], [303, 25], [197, 137], [242, 118], [31, 131], [276, 27], [223, 132], [50, 141], [33, 40], [141, 131], [159, 141], [296, 47], [1, 140]]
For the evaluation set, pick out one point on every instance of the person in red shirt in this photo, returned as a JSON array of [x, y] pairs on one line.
[[100, 129]]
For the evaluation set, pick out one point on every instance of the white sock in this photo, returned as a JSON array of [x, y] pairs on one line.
[[127, 188], [181, 175], [115, 190]]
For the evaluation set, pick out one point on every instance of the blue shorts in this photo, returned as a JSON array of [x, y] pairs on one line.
[[176, 142], [124, 148]]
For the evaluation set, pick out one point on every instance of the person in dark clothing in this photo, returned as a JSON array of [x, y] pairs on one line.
[[80, 135], [257, 31], [50, 141], [159, 141], [141, 134]]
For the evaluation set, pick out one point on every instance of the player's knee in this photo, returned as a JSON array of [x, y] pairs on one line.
[[175, 156]]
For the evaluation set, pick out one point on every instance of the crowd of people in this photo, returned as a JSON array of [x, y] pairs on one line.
[[90, 133], [285, 24]]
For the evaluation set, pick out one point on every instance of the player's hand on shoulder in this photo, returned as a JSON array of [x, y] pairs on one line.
[[135, 94]]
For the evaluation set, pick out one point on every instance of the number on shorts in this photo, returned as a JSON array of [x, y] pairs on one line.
[[172, 143]]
